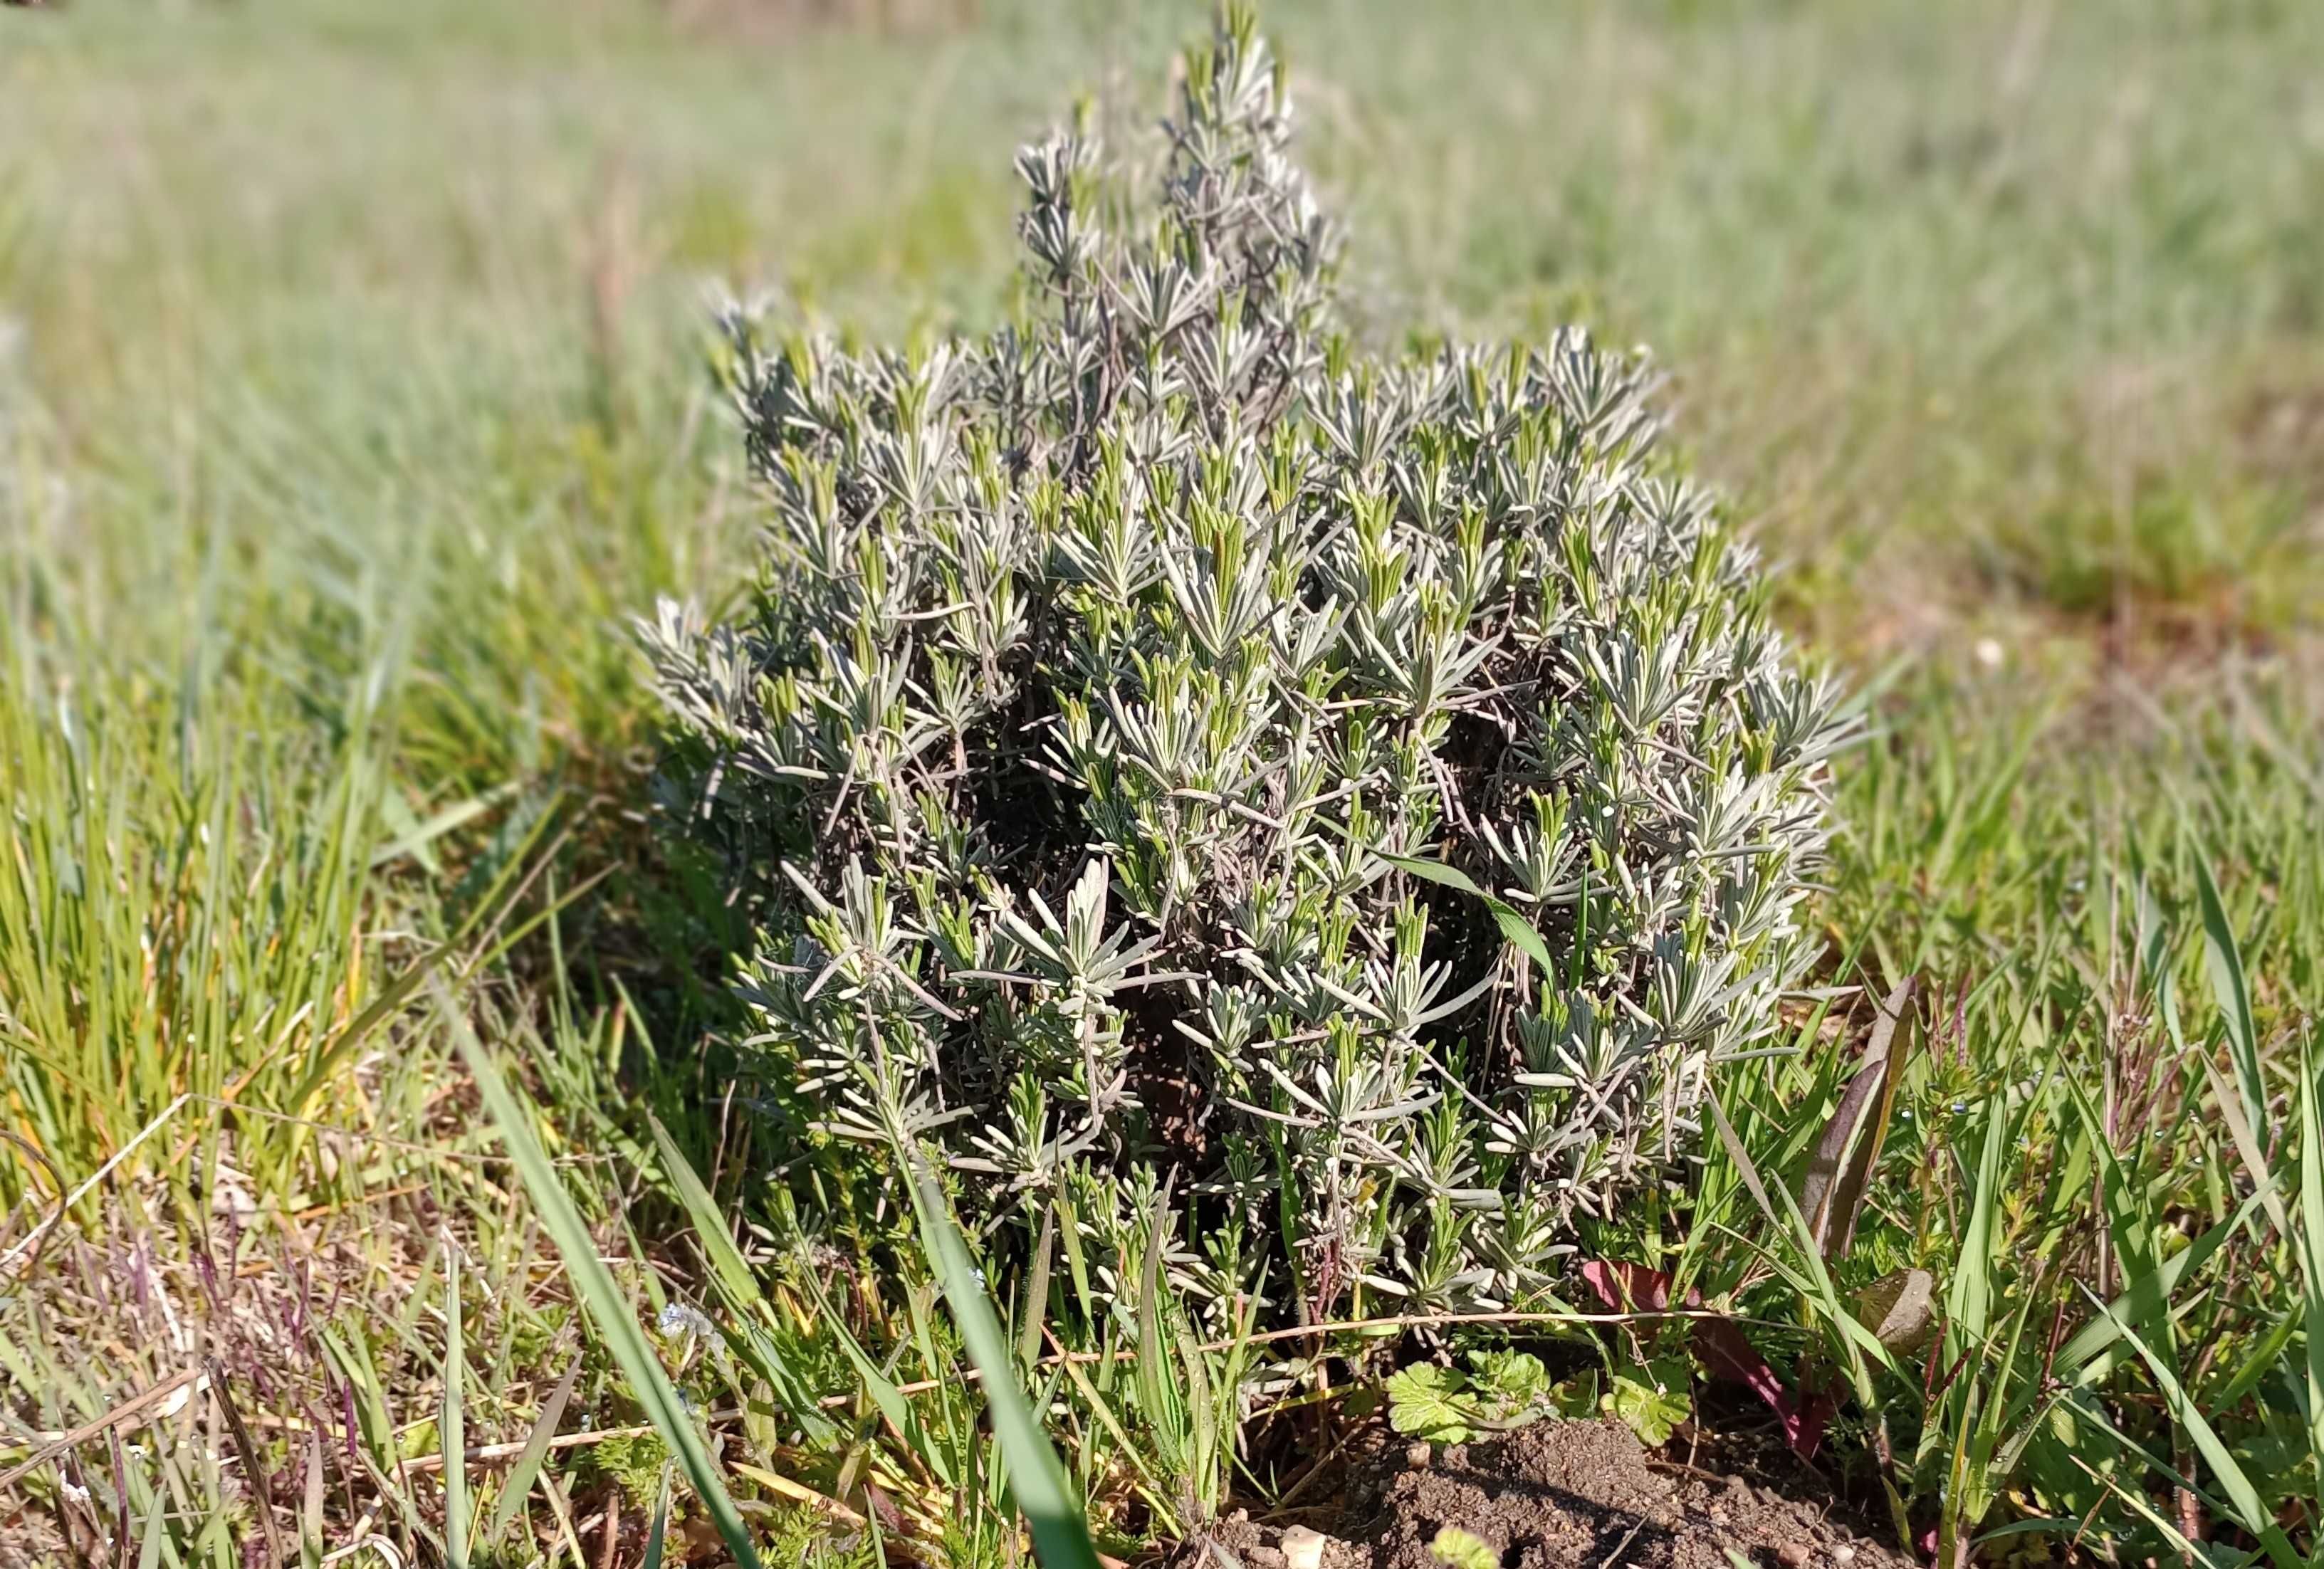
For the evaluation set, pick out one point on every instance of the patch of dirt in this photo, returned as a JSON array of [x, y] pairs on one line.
[[1558, 1495]]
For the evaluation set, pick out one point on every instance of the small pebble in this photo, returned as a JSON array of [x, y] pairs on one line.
[[1304, 1548], [1416, 1457], [1792, 1556]]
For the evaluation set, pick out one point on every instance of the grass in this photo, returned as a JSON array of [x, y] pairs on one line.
[[349, 400]]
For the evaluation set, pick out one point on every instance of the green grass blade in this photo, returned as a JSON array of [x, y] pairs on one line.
[[2241, 1496], [1037, 1292], [2247, 1145], [608, 1306], [352, 1361], [156, 1531], [656, 1537], [2160, 1524], [343, 1046], [883, 1390], [726, 1260], [1155, 1487], [415, 840], [518, 1485], [2311, 1256], [1512, 922], [1969, 1306], [451, 1424], [740, 1288], [2225, 961], [2077, 1361], [1060, 1534], [1813, 1280], [2265, 1357]]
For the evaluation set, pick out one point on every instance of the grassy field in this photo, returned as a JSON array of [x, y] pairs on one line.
[[352, 398]]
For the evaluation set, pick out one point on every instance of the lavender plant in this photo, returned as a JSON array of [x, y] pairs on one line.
[[1153, 719]]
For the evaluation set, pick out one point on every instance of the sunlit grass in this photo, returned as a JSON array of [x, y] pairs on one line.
[[349, 403]]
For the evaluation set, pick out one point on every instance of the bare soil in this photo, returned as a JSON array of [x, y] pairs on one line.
[[1558, 1495]]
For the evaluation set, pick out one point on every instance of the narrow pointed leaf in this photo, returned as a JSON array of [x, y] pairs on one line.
[[451, 1422], [2225, 961], [1060, 1532], [518, 1485], [609, 1306]]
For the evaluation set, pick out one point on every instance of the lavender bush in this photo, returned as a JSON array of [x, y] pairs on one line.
[[1179, 751]]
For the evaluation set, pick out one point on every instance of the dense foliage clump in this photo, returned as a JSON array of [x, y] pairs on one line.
[[1187, 763]]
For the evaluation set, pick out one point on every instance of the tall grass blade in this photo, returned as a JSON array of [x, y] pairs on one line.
[[1968, 1305], [656, 1536], [1858, 1346], [609, 1306], [2242, 1497], [451, 1424], [2225, 961], [518, 1485], [343, 1046], [1060, 1532], [156, 1532], [253, 1468], [726, 1261], [2247, 1145], [2078, 1361], [2311, 1258], [753, 1331], [312, 1543], [416, 839], [883, 1390]]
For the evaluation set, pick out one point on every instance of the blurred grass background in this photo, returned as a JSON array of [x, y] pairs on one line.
[[350, 400], [1986, 312]]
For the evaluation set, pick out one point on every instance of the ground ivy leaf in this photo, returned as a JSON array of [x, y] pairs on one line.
[[1431, 1402], [1651, 1400]]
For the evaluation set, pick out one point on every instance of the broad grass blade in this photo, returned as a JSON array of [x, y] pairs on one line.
[[2077, 1360], [1514, 926], [156, 1532], [608, 1306], [1969, 1306], [2247, 1144], [415, 840], [1832, 1193], [1060, 1532]]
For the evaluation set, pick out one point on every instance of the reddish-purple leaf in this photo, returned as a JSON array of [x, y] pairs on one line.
[[1627, 1287], [1725, 1354]]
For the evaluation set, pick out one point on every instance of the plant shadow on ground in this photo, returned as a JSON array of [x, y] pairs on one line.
[[1565, 1495]]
